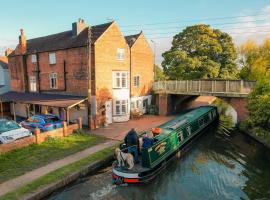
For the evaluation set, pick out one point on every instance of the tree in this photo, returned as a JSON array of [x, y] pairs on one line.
[[200, 52], [259, 105], [255, 60], [159, 74]]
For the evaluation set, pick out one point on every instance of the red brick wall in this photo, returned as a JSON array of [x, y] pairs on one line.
[[15, 64], [240, 106], [142, 63], [106, 61], [76, 68], [17, 144]]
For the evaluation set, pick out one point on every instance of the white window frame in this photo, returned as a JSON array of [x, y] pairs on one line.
[[32, 83], [201, 122], [121, 107], [34, 58], [136, 81], [120, 79], [52, 58], [180, 136], [53, 83], [120, 54], [188, 130]]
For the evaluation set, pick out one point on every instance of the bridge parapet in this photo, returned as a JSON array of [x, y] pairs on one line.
[[222, 88]]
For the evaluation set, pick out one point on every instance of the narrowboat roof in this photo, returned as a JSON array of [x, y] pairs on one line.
[[184, 118]]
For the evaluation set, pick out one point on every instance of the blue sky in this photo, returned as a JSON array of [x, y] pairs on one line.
[[39, 18]]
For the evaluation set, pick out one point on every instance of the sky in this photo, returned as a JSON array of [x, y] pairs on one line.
[[158, 19]]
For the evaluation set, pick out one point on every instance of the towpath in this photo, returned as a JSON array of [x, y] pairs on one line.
[[19, 181]]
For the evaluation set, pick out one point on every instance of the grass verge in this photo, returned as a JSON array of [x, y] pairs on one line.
[[20, 161], [56, 175]]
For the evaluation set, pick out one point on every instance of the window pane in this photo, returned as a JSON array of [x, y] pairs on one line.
[[118, 82], [120, 54], [117, 110], [52, 58], [34, 58], [124, 79]]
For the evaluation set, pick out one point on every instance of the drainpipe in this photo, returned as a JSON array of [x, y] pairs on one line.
[[130, 78], [26, 82], [65, 76], [38, 73]]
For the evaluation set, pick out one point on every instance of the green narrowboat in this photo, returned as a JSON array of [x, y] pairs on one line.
[[173, 138]]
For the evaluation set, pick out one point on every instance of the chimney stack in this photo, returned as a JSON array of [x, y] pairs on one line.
[[21, 47], [78, 27], [8, 51]]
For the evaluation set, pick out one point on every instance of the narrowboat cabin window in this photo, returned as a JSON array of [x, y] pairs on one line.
[[189, 130], [180, 136], [210, 116], [201, 122], [214, 113]]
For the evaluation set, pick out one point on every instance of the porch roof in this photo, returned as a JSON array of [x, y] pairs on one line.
[[44, 99]]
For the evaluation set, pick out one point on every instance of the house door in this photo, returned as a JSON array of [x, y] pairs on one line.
[[108, 105], [145, 105]]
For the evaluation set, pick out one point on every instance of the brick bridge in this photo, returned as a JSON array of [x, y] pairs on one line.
[[232, 91]]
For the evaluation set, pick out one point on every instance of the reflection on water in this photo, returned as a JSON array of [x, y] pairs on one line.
[[221, 164]]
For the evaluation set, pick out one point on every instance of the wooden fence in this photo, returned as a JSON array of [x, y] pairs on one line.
[[205, 87]]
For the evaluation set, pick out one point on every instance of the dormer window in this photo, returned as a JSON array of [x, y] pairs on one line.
[[52, 58], [120, 54], [34, 58]]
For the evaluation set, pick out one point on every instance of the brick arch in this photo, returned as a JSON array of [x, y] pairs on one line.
[[240, 106], [165, 102]]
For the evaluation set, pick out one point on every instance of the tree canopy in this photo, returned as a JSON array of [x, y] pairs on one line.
[[159, 74], [255, 60], [200, 51], [259, 105]]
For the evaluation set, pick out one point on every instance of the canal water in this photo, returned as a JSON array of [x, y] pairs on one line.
[[220, 165]]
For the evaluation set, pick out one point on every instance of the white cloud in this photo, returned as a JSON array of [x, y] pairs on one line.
[[252, 27], [7, 43], [159, 46]]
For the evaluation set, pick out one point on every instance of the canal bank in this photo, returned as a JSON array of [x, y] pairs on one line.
[[42, 186], [220, 165]]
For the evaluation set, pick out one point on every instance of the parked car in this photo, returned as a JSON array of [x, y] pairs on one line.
[[10, 131], [44, 122]]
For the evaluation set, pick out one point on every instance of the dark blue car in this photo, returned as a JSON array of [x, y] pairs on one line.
[[44, 122]]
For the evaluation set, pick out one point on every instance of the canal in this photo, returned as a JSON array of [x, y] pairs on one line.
[[220, 165]]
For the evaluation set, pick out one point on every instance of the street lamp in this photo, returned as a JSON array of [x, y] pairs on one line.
[[154, 43]]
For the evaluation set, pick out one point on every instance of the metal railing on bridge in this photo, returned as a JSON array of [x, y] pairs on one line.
[[233, 88]]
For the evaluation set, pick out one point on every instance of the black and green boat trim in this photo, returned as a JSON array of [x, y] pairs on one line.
[[174, 137]]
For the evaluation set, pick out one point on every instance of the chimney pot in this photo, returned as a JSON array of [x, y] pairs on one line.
[[22, 32]]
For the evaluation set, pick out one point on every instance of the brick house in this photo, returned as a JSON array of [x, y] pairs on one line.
[[51, 70], [142, 76]]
